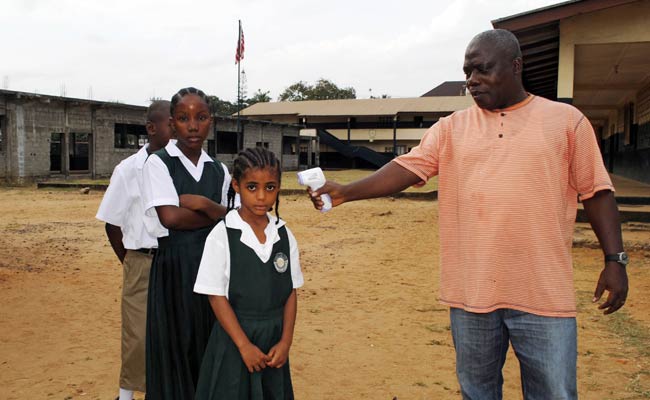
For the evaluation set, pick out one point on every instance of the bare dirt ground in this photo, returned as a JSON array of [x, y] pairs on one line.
[[369, 325]]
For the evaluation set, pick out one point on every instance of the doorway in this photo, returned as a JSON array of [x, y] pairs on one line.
[[55, 152], [79, 151]]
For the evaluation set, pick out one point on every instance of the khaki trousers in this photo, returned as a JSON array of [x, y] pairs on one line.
[[134, 319]]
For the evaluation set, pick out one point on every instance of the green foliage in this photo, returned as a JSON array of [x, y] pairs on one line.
[[258, 97], [296, 92], [323, 89], [222, 107], [225, 107]]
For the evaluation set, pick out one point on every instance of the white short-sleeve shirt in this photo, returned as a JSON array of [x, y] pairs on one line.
[[159, 189], [123, 204], [213, 277]]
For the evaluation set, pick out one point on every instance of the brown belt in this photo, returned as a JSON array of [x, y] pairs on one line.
[[151, 251]]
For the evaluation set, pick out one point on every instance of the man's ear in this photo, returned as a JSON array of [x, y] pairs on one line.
[[518, 66]]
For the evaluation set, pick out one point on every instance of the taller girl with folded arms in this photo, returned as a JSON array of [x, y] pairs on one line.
[[187, 189]]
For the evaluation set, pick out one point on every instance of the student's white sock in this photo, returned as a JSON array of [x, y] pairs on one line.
[[126, 394]]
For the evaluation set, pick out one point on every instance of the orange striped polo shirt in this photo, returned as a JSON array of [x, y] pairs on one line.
[[508, 184]]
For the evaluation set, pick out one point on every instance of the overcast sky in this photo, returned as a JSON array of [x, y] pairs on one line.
[[132, 50]]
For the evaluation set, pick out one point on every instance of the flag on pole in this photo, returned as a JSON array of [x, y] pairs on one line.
[[239, 54]]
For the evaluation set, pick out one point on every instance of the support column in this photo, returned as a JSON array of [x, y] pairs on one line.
[[349, 131], [65, 143], [566, 65], [395, 136]]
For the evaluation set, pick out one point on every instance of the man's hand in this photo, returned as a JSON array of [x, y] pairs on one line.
[[253, 357], [613, 278], [278, 355], [335, 190], [389, 179]]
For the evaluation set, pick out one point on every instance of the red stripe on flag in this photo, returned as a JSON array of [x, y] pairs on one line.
[[239, 54]]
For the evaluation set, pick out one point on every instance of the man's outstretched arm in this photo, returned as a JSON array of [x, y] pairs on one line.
[[389, 179]]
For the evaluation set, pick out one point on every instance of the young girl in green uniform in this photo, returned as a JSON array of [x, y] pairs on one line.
[[250, 269], [187, 189]]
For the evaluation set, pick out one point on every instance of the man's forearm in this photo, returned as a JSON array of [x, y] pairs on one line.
[[603, 216], [389, 179]]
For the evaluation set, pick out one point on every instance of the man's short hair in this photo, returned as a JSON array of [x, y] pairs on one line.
[[502, 40]]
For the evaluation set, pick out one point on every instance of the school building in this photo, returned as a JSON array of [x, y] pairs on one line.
[[361, 133], [594, 54], [51, 137]]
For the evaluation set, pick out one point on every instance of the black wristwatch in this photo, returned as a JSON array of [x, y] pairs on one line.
[[620, 258]]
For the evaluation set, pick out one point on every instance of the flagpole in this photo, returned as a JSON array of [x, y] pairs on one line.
[[239, 139]]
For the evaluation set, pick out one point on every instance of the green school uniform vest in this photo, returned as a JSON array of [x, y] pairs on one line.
[[259, 289], [210, 186]]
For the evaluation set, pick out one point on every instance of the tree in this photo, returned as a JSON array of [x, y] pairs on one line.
[[258, 97], [324, 89], [297, 92], [222, 107]]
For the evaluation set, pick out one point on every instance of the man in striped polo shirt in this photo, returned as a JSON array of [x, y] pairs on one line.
[[510, 172]]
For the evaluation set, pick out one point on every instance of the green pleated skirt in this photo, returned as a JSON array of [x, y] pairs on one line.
[[224, 375], [179, 321]]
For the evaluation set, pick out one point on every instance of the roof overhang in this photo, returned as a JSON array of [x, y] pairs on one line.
[[538, 32]]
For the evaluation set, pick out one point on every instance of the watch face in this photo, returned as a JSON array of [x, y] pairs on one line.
[[624, 258]]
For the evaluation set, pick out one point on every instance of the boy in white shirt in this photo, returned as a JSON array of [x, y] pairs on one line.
[[133, 237]]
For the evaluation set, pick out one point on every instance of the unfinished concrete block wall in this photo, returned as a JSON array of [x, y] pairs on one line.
[[106, 155], [29, 125], [29, 122], [3, 138]]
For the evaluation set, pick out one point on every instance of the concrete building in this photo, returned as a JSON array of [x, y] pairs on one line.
[[52, 137], [282, 139], [347, 132], [594, 54]]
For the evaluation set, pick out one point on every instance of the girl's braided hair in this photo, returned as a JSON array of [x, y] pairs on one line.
[[184, 92], [256, 157]]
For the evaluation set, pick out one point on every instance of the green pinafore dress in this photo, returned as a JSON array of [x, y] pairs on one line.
[[257, 293], [179, 321]]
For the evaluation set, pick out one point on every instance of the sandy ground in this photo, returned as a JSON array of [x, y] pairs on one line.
[[369, 325]]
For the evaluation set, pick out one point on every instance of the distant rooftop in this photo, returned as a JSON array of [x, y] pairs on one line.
[[359, 107], [447, 88]]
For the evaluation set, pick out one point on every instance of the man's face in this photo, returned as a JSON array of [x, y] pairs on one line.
[[492, 77]]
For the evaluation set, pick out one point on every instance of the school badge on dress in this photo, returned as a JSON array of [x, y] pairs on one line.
[[281, 262]]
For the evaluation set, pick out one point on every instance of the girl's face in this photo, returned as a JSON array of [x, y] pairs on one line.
[[258, 190], [191, 122]]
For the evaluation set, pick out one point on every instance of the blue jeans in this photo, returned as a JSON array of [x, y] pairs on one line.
[[546, 348]]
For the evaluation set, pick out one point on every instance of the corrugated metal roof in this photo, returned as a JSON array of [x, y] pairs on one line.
[[359, 107]]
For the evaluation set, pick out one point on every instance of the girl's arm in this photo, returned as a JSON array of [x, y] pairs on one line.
[[252, 356], [184, 219], [279, 353], [202, 204]]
